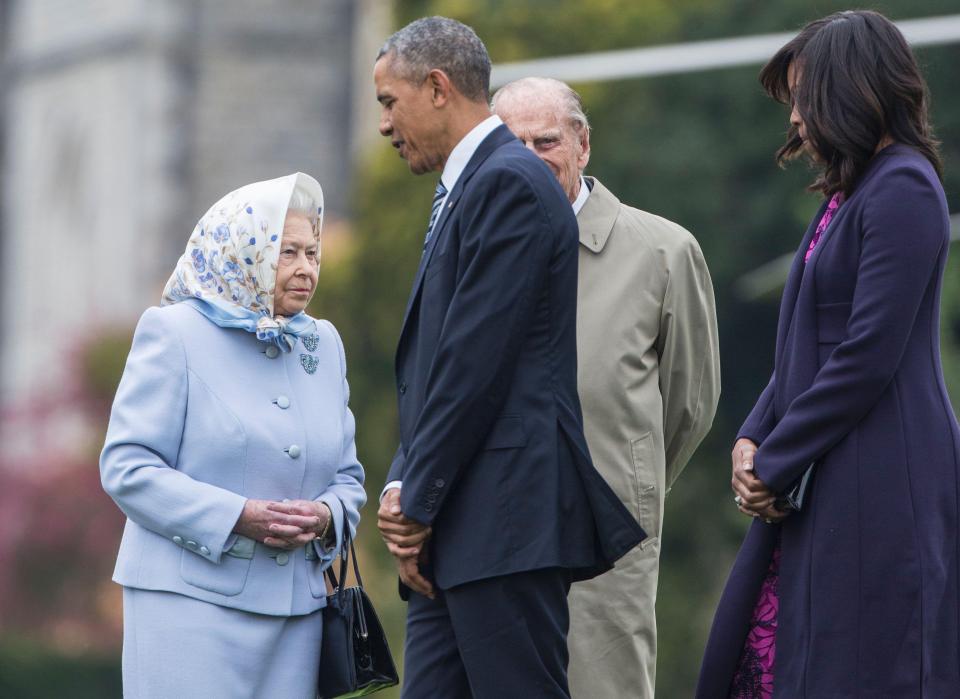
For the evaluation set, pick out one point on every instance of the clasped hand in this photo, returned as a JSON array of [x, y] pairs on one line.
[[404, 538], [752, 495], [283, 525]]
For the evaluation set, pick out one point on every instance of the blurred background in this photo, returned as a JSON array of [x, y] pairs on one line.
[[122, 121]]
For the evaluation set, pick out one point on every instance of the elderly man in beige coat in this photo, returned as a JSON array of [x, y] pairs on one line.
[[648, 377]]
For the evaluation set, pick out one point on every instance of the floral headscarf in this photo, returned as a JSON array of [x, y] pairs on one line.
[[229, 270]]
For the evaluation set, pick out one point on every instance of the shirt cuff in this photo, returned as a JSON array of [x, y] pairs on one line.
[[390, 486]]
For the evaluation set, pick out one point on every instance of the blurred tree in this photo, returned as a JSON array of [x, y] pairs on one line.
[[695, 148]]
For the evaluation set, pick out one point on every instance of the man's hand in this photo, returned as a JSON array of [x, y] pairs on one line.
[[403, 536], [752, 496], [409, 570]]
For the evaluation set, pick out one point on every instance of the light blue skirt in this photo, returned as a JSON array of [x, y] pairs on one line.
[[176, 647]]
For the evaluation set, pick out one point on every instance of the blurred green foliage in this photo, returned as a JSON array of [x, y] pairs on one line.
[[697, 149], [30, 671]]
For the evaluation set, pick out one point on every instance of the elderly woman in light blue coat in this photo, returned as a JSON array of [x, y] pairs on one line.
[[231, 451]]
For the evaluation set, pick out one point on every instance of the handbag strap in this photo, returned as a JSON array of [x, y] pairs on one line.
[[347, 552]]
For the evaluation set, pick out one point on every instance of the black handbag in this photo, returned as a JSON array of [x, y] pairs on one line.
[[355, 659], [794, 496]]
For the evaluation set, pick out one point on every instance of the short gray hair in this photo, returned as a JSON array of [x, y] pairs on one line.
[[566, 96], [446, 44]]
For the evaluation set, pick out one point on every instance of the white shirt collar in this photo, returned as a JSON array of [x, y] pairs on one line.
[[463, 151], [581, 197]]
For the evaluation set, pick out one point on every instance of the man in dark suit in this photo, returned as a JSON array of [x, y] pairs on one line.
[[493, 506]]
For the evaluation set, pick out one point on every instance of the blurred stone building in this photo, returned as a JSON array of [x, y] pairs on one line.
[[121, 121]]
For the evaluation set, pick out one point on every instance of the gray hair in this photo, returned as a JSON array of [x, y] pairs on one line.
[[566, 96], [446, 44]]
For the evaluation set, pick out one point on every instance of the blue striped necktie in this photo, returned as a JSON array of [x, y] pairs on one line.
[[438, 196]]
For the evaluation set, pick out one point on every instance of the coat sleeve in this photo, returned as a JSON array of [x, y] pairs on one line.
[[345, 495], [689, 353], [903, 235], [138, 462], [504, 256]]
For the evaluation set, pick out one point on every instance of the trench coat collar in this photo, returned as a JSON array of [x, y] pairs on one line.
[[598, 216]]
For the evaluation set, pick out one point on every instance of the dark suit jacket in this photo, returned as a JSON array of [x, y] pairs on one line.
[[492, 453], [869, 581]]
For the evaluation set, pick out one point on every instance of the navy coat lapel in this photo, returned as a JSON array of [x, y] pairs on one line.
[[498, 137], [792, 288]]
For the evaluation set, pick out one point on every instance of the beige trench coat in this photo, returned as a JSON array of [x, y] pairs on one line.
[[649, 381]]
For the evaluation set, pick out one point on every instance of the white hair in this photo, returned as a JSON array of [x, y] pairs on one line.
[[563, 93], [307, 200]]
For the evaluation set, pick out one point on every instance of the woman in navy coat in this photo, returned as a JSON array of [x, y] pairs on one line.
[[856, 593], [231, 451]]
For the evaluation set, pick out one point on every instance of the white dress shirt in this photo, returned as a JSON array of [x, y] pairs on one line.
[[582, 196]]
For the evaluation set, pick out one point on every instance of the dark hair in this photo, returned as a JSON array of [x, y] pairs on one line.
[[856, 82], [440, 42]]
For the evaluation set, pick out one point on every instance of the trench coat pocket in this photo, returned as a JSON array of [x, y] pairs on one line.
[[228, 577], [647, 497]]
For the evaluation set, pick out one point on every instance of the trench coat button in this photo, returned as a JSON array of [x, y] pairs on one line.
[[439, 483], [204, 550], [282, 402], [293, 451], [403, 388], [282, 558], [192, 545], [178, 540], [272, 352]]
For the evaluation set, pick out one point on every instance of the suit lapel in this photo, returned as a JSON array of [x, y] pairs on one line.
[[498, 137]]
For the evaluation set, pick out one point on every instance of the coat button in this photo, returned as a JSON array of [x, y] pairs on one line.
[[192, 545], [282, 558], [428, 507], [178, 540], [439, 483], [272, 352], [204, 550], [293, 451], [403, 388], [282, 402]]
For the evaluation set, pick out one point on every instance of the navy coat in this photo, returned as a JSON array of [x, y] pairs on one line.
[[492, 453], [869, 579]]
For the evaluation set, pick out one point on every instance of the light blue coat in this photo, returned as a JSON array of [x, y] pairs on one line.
[[206, 417]]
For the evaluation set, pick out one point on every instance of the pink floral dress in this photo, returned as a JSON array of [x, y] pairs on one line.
[[754, 676]]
